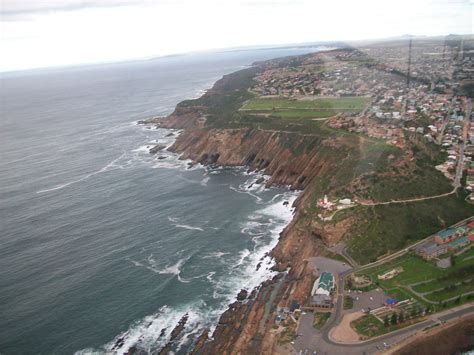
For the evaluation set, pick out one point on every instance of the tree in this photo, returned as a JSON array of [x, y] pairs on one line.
[[401, 317], [458, 300], [386, 321], [394, 318], [453, 260]]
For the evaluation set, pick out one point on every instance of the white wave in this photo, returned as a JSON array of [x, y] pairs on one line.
[[205, 181], [217, 254], [144, 148], [174, 269], [242, 256], [210, 275], [258, 198], [85, 177], [184, 226]]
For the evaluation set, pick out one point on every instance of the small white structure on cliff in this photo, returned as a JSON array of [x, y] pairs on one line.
[[325, 203]]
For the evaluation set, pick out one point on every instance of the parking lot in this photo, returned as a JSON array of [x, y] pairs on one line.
[[321, 264], [368, 300]]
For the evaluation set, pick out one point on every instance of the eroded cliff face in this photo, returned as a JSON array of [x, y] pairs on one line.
[[265, 151]]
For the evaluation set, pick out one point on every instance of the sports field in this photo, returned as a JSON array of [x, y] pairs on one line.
[[321, 107]]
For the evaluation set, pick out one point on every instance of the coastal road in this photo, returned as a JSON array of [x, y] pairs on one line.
[[313, 340], [310, 339]]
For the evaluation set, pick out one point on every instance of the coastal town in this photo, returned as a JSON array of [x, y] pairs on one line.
[[396, 94], [406, 91], [379, 139]]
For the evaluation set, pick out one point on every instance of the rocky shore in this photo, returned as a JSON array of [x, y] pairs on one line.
[[246, 326]]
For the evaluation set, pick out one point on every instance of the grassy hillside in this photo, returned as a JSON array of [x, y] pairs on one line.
[[387, 228]]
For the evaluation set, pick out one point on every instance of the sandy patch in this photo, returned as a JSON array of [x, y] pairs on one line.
[[343, 333]]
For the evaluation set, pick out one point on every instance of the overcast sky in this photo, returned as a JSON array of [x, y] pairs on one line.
[[39, 33]]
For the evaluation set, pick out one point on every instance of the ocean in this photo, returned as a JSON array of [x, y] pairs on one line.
[[103, 246]]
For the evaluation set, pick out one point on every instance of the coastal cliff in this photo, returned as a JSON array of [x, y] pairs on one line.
[[246, 327], [317, 158]]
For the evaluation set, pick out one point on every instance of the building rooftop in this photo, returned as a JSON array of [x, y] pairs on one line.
[[326, 281], [318, 300], [446, 233], [430, 248], [459, 241]]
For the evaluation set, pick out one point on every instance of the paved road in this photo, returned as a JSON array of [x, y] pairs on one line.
[[460, 167], [321, 342], [317, 341]]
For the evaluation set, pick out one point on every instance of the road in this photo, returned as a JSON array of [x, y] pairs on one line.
[[313, 340], [409, 200], [446, 121], [320, 341], [460, 167]]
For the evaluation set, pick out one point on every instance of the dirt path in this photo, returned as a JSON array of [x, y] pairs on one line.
[[408, 200], [343, 332]]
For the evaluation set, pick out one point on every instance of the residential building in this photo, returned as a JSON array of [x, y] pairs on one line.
[[445, 236], [324, 285], [431, 250]]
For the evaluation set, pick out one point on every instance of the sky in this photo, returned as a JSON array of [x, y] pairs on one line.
[[44, 33]]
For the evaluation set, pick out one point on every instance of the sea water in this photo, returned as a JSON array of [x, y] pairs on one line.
[[103, 246]]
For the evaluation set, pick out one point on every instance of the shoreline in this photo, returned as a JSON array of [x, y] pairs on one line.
[[244, 313], [263, 260]]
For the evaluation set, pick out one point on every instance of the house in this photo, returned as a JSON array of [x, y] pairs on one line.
[[430, 250], [324, 285], [323, 301], [471, 225], [390, 274], [445, 236], [345, 201], [458, 243]]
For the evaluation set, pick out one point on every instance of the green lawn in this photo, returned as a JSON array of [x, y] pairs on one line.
[[452, 281], [384, 229], [448, 292], [368, 326], [348, 302], [320, 318], [415, 270], [303, 114], [355, 103]]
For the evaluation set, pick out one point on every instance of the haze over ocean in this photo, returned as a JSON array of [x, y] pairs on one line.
[[102, 241]]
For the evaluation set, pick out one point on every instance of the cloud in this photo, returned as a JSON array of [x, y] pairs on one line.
[[27, 7], [39, 33], [21, 8]]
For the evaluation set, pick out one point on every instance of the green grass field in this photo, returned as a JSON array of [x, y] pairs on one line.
[[320, 318], [435, 284], [356, 103], [285, 108], [369, 326], [303, 114], [386, 228]]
